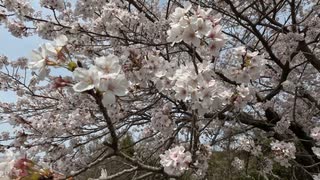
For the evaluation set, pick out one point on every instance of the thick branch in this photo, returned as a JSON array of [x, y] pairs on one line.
[[303, 47]]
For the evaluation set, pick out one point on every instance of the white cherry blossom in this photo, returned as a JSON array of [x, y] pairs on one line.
[[89, 78], [108, 64], [191, 36], [6, 164], [316, 151], [180, 12], [40, 60], [61, 40], [113, 85], [315, 133]]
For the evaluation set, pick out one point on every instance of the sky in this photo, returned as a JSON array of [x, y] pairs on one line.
[[14, 48]]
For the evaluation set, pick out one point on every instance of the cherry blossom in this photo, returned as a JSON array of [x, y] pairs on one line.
[[238, 163], [40, 61], [103, 175], [58, 5], [316, 151], [7, 164], [185, 81], [316, 177], [89, 78], [283, 152], [192, 29], [57, 47], [175, 161], [113, 85], [108, 64], [315, 133]]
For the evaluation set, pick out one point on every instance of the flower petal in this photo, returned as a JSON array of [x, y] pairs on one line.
[[108, 98], [82, 86], [80, 73], [61, 40]]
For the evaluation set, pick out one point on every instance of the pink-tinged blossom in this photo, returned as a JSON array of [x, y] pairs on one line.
[[202, 13], [48, 55], [61, 40], [56, 51], [176, 161], [59, 43], [282, 126], [22, 166], [17, 29], [215, 45], [215, 33]]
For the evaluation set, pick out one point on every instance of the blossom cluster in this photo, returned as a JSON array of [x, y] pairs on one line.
[[175, 160], [238, 163], [106, 76], [201, 91], [196, 27], [282, 126], [243, 95], [21, 7], [201, 160], [251, 65], [12, 167], [247, 144], [48, 55], [283, 152], [55, 4], [161, 120]]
